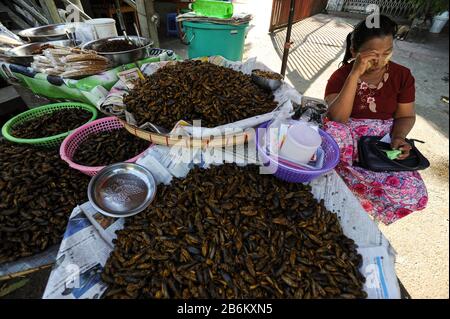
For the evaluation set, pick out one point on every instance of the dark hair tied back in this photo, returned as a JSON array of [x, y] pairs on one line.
[[361, 34]]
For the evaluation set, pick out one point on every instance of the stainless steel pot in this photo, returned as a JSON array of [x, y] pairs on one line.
[[123, 57], [51, 32]]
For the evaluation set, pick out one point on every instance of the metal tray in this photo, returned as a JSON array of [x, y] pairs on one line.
[[23, 54], [122, 190], [51, 32]]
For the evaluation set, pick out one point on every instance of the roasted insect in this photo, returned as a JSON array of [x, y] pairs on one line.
[[267, 74], [116, 46], [106, 148], [194, 90], [54, 123], [37, 194], [228, 232]]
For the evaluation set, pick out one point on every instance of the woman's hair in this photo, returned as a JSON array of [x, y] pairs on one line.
[[361, 34]]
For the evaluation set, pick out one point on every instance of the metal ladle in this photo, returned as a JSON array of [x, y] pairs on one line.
[[122, 22], [138, 34]]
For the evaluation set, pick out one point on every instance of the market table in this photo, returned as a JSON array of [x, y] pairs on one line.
[[86, 246], [91, 249]]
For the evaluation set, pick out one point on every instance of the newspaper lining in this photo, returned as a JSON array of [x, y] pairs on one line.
[[88, 240]]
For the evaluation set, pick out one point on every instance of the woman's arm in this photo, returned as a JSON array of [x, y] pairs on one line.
[[340, 105], [404, 120]]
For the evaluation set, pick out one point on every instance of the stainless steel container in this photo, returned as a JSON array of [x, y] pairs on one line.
[[23, 54], [265, 83], [122, 190], [123, 57], [51, 32]]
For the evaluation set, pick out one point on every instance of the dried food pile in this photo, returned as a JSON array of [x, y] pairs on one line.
[[267, 74], [54, 123], [195, 90], [106, 148], [38, 191], [116, 46], [229, 232]]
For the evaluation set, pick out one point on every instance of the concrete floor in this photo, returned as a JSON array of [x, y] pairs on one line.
[[421, 239]]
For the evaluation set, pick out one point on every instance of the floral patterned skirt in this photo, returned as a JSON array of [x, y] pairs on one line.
[[385, 196]]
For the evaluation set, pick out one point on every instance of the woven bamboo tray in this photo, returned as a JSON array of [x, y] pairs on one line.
[[189, 141]]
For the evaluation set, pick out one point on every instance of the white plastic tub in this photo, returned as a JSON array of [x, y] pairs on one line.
[[302, 142], [104, 27]]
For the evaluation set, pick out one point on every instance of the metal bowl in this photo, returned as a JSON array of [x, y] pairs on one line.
[[265, 83], [51, 32], [122, 190], [122, 57], [23, 54]]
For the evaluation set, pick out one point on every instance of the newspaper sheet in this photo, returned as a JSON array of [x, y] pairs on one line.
[[89, 237]]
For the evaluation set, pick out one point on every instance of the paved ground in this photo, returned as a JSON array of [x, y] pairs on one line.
[[421, 239]]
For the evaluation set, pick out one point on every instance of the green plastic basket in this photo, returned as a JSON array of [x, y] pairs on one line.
[[49, 141]]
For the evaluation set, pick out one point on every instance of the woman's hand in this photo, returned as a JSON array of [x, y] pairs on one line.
[[399, 143], [362, 62]]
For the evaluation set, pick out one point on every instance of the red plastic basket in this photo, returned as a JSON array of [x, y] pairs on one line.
[[74, 140]]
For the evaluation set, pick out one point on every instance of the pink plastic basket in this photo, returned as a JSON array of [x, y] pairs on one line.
[[74, 140]]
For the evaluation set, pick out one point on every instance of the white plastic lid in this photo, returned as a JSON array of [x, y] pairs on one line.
[[303, 135], [101, 21]]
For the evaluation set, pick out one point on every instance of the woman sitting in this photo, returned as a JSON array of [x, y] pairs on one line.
[[371, 96]]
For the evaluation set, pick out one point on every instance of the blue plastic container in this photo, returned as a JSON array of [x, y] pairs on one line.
[[172, 25]]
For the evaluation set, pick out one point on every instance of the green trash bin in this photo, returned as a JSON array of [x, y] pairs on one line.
[[207, 39]]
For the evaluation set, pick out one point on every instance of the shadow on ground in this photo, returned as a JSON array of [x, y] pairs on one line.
[[318, 42]]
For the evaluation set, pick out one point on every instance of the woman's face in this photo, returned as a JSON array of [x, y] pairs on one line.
[[383, 47]]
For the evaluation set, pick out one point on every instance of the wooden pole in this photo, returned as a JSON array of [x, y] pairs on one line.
[[46, 12], [51, 8], [288, 38], [131, 3], [25, 272], [18, 20], [39, 17], [148, 20]]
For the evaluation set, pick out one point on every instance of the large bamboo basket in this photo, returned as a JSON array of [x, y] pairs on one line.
[[189, 141]]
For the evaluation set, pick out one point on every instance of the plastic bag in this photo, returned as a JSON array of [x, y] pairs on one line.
[[81, 65], [83, 32], [311, 110], [83, 57]]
